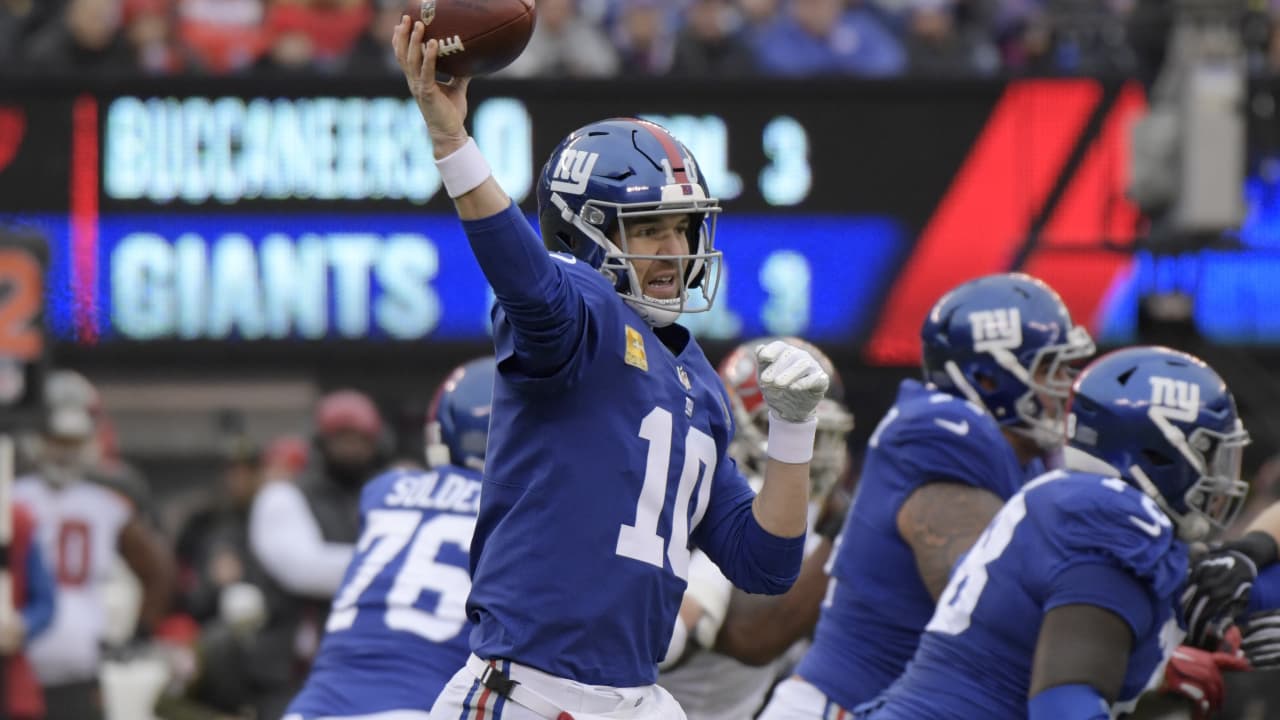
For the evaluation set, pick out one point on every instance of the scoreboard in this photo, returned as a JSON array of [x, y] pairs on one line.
[[307, 214]]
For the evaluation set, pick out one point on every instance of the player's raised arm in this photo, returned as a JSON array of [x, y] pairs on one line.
[[463, 169], [545, 312]]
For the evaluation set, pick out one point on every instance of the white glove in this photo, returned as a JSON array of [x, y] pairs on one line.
[[793, 383]]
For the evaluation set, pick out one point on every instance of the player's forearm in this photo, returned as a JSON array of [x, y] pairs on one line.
[[149, 559], [1267, 523], [485, 201], [782, 506], [759, 630], [156, 576], [459, 163]]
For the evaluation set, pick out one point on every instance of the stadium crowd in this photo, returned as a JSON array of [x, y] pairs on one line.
[[609, 38]]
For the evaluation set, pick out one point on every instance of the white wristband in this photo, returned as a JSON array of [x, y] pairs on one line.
[[464, 169], [790, 442]]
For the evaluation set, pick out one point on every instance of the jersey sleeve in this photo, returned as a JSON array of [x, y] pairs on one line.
[[751, 557], [543, 319], [1265, 593], [1106, 547]]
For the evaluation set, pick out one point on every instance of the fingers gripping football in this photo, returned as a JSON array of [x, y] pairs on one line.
[[792, 381]]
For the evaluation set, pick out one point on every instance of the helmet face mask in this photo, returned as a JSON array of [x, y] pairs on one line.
[[1218, 493], [1048, 377]]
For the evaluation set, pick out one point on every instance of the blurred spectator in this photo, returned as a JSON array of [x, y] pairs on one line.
[[312, 35], [302, 534], [81, 525], [937, 44], [150, 32], [285, 458], [758, 13], [213, 545], [644, 37], [222, 36], [87, 38], [821, 37], [712, 42], [14, 16], [564, 44], [372, 53]]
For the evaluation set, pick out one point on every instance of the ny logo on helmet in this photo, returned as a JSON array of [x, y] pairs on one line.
[[999, 329], [1175, 399], [573, 170]]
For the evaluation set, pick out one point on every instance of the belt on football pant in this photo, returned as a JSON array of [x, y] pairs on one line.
[[497, 681]]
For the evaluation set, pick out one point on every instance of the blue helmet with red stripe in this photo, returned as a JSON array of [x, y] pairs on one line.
[[621, 170]]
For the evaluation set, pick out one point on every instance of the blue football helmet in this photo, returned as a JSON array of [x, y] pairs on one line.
[[458, 421], [623, 169], [1006, 342], [1165, 422]]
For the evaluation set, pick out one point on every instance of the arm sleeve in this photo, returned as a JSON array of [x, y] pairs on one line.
[[1105, 586], [752, 558], [1265, 594], [547, 314], [285, 538], [37, 613], [1068, 702]]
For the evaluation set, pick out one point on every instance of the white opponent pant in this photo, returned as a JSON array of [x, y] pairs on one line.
[[464, 698], [795, 699]]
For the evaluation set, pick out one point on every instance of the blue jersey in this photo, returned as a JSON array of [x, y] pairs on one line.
[[397, 630], [877, 605], [606, 463], [1068, 539]]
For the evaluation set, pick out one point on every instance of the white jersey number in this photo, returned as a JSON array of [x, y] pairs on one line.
[[640, 540], [386, 534]]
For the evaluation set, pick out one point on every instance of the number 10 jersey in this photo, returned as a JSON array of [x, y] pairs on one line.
[[599, 479]]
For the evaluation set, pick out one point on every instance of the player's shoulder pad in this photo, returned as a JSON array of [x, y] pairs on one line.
[[1088, 515], [942, 417]]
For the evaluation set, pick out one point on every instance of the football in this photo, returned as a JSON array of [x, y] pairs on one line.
[[477, 37]]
